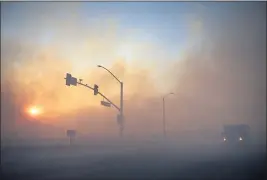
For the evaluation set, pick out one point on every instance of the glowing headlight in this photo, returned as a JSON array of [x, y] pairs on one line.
[[240, 139], [224, 139]]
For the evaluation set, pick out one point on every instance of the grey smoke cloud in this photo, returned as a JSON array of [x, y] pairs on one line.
[[222, 79]]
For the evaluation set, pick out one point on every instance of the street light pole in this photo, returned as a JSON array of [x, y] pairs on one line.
[[121, 117], [163, 113], [121, 111]]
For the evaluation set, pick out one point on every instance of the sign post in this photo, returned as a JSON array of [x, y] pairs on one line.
[[71, 134]]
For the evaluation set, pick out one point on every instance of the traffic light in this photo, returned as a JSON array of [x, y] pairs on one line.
[[70, 80], [95, 89]]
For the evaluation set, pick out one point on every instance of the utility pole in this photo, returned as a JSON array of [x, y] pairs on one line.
[[163, 113]]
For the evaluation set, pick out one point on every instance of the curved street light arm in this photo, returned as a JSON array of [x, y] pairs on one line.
[[110, 73], [168, 95]]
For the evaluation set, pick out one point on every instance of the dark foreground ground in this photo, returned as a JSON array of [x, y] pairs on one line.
[[157, 161]]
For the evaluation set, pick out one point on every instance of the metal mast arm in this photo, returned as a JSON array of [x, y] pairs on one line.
[[100, 95]]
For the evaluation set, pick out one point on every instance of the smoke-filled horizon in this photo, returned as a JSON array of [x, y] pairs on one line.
[[211, 55]]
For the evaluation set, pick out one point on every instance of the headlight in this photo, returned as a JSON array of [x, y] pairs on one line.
[[240, 139], [224, 139]]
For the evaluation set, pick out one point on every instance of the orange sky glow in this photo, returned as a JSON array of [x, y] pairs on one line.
[[205, 61]]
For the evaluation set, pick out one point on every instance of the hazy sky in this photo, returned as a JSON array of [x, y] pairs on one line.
[[210, 54], [156, 32]]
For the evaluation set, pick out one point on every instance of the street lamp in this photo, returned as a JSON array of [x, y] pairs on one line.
[[120, 117], [163, 113]]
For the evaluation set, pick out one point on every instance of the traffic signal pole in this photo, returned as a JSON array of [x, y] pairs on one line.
[[120, 118]]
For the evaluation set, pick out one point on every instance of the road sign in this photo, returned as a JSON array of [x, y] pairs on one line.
[[104, 103], [71, 133]]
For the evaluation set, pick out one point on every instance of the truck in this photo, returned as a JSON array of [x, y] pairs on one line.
[[236, 134]]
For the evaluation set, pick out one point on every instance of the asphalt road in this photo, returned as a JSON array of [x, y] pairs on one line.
[[131, 162]]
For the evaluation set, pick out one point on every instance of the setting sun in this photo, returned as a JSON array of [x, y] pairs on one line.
[[34, 111]]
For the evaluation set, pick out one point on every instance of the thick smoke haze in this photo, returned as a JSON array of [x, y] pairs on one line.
[[219, 79]]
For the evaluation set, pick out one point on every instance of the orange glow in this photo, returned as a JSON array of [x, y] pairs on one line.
[[34, 111]]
